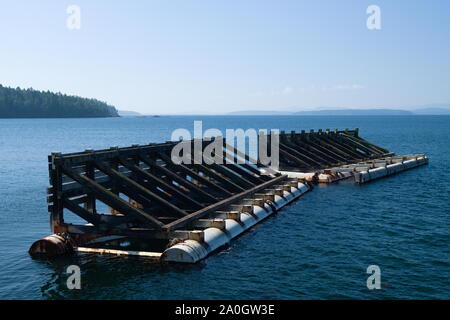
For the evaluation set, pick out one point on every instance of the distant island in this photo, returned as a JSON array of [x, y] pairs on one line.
[[29, 103], [356, 112], [425, 110], [260, 113], [126, 113]]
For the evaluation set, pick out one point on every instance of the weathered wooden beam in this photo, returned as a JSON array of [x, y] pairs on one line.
[[346, 144], [209, 223], [231, 186], [112, 199], [80, 158], [316, 155], [251, 178], [270, 196], [309, 141], [151, 255], [361, 145], [249, 175], [160, 183], [57, 209], [303, 156], [246, 157], [193, 174], [91, 202], [185, 183], [217, 206], [326, 153], [82, 213], [330, 145], [381, 150], [343, 145], [248, 167], [227, 172], [139, 188], [137, 233], [295, 159], [232, 215], [242, 208], [99, 220]]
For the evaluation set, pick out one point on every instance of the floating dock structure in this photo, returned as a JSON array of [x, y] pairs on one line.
[[329, 156], [138, 201], [170, 212]]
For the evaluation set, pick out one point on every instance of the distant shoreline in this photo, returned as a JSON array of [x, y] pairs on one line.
[[87, 117], [352, 112], [226, 115], [324, 112], [33, 104]]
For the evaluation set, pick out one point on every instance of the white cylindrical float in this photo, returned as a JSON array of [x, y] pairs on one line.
[[192, 251], [390, 169]]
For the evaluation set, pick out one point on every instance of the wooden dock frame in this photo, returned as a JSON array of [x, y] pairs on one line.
[[154, 200], [330, 156], [323, 149], [150, 197]]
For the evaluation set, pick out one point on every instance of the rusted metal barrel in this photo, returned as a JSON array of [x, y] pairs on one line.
[[51, 246]]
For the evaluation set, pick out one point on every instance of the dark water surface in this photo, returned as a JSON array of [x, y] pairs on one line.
[[319, 247]]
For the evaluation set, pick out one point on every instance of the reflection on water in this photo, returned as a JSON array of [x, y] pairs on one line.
[[100, 273]]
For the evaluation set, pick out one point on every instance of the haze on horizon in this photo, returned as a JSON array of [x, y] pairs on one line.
[[180, 57]]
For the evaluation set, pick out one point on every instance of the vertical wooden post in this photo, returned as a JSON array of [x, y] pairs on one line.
[[57, 212], [115, 166], [90, 204], [114, 187]]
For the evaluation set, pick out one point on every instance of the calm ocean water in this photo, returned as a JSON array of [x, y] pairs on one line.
[[318, 247]]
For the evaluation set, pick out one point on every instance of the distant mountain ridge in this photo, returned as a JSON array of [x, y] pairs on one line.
[[425, 110], [259, 112], [29, 103], [433, 111], [356, 112]]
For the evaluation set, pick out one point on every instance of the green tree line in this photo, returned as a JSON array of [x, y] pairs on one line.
[[29, 103]]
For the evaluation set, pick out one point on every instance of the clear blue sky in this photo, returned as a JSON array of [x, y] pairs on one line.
[[198, 56]]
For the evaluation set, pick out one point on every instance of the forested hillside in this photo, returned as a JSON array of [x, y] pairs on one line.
[[29, 103]]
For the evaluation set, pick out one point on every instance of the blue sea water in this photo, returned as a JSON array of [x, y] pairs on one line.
[[317, 248]]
